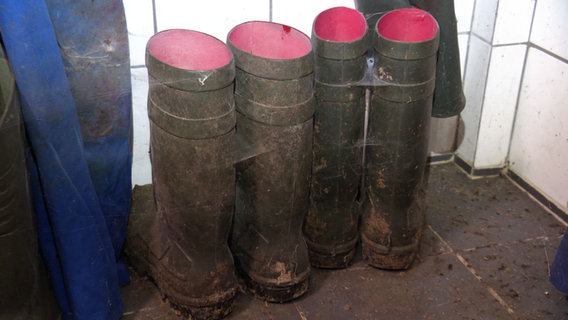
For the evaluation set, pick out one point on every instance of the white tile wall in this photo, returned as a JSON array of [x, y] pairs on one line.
[[539, 147], [215, 18], [513, 21], [464, 16], [300, 14], [464, 13], [499, 106], [550, 25], [141, 169], [516, 110], [484, 15], [474, 87], [463, 43], [494, 67], [139, 20]]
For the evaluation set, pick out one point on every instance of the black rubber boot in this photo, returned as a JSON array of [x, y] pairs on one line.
[[339, 38], [275, 105], [397, 140], [182, 243]]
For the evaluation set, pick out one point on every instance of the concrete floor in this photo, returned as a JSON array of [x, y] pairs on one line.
[[485, 254]]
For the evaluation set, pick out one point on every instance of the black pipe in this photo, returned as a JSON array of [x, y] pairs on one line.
[[449, 99]]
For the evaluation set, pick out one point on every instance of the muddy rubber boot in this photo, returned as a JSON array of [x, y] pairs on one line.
[[449, 99], [183, 247], [340, 44], [275, 105], [397, 140]]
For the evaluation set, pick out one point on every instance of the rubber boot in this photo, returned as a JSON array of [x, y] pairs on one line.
[[397, 140], [183, 247], [340, 44], [275, 105]]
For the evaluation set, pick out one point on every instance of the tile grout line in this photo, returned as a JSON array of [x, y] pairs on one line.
[[471, 270], [300, 312], [491, 291], [500, 244]]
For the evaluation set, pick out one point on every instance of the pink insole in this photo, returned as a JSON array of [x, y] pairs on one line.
[[270, 40], [407, 25], [190, 50], [340, 24]]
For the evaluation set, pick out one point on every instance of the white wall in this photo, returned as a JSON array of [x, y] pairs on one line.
[[539, 144], [497, 49], [516, 86]]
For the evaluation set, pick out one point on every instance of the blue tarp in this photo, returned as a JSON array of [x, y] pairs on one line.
[[70, 62], [559, 268]]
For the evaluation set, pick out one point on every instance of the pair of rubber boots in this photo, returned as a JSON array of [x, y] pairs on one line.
[[372, 127], [202, 167]]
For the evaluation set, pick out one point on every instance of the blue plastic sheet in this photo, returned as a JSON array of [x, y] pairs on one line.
[[93, 42], [559, 268], [70, 61]]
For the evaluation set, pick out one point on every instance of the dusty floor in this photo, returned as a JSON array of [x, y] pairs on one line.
[[485, 254]]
